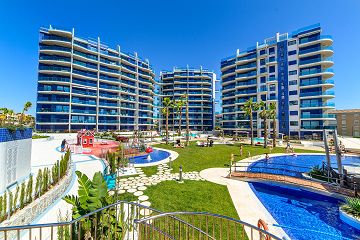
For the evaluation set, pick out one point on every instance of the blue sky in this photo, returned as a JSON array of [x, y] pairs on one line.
[[174, 33]]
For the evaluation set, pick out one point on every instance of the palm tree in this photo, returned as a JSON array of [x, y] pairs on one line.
[[186, 100], [249, 107], [165, 111], [178, 106], [25, 109], [272, 116], [264, 114]]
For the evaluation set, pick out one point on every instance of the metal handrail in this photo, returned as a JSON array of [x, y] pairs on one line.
[[208, 215]]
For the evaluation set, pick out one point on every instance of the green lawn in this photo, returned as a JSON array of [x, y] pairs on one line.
[[195, 196], [149, 171], [194, 158]]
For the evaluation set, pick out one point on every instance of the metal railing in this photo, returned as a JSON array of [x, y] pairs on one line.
[[129, 220], [198, 225]]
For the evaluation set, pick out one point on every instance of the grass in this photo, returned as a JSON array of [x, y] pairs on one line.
[[196, 196], [35, 136], [149, 171], [194, 158]]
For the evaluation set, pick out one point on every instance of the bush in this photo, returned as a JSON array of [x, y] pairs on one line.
[[352, 206], [318, 173]]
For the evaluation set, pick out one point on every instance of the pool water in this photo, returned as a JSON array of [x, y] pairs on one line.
[[295, 165], [155, 156], [303, 214]]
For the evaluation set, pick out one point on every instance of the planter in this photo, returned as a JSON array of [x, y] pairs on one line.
[[6, 135], [349, 219]]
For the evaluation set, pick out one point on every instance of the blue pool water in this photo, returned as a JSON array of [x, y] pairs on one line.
[[303, 214], [295, 165], [155, 156]]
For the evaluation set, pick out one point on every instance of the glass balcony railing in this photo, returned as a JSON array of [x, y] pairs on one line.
[[53, 78], [317, 127], [252, 56], [311, 39], [315, 71], [83, 111], [316, 82], [306, 105], [315, 60], [314, 49], [84, 92], [252, 65], [305, 116], [54, 68], [248, 74], [56, 48], [83, 102], [82, 121], [54, 37], [313, 94]]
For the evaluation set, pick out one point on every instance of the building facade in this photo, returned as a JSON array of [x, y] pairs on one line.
[[84, 84], [348, 122], [199, 86], [292, 70]]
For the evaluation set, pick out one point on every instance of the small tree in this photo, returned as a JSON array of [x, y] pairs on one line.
[[11, 199], [29, 189], [22, 195], [249, 107], [16, 196], [1, 208], [165, 111], [5, 204], [38, 184], [264, 114]]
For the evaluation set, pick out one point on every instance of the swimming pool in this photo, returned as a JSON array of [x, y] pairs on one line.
[[303, 214], [155, 156], [296, 165]]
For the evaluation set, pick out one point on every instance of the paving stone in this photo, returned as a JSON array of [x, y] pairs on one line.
[[138, 193], [132, 190], [143, 198], [142, 188], [146, 203]]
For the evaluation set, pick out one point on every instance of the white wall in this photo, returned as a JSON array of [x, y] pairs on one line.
[[15, 162]]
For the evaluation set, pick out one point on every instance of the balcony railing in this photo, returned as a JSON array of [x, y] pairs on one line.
[[315, 60], [314, 49], [305, 116], [307, 105], [311, 39], [311, 94], [315, 82], [315, 71]]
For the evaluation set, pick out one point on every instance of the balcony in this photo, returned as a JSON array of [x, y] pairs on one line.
[[318, 93], [328, 50], [307, 83], [317, 127], [320, 116], [317, 105], [325, 62], [324, 72], [326, 39]]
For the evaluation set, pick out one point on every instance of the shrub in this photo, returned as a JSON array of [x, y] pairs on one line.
[[352, 206], [22, 195]]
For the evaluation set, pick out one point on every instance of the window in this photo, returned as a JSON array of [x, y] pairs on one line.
[[262, 79], [294, 123], [90, 141], [293, 52], [84, 141], [262, 61], [271, 50], [293, 103], [343, 122], [294, 72], [293, 82], [343, 116], [262, 52], [293, 92], [294, 62], [271, 69], [356, 122], [293, 42], [294, 113]]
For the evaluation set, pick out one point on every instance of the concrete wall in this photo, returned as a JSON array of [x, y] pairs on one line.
[[15, 157]]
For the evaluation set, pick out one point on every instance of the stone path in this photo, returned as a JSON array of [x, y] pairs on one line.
[[137, 185]]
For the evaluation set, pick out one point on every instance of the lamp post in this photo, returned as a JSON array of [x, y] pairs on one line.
[[170, 163], [180, 173]]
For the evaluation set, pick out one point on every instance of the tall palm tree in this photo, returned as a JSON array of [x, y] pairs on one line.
[[272, 116], [178, 106], [185, 98], [165, 111], [264, 114], [249, 107], [26, 108]]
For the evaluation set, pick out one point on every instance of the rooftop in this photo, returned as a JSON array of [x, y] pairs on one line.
[[346, 111]]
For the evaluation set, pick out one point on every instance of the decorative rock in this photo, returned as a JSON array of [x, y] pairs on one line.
[[138, 193], [146, 203], [142, 188], [143, 198], [131, 190], [121, 191], [145, 212]]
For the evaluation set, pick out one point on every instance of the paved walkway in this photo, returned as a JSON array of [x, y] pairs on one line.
[[247, 205], [47, 153]]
